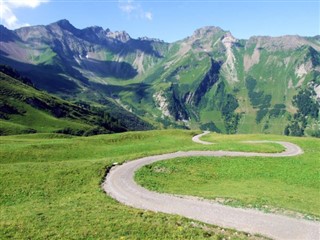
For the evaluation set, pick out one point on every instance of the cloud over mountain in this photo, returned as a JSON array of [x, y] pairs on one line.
[[7, 11], [134, 9]]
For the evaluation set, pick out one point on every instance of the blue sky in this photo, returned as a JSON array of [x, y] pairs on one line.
[[170, 20]]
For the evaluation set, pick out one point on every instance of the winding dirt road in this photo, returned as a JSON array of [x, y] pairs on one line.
[[120, 185]]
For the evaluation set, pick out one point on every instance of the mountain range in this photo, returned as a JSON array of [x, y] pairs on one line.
[[209, 80]]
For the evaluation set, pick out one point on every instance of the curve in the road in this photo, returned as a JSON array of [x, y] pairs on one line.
[[120, 185], [197, 139]]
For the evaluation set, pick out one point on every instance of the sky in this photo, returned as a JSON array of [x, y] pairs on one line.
[[170, 20]]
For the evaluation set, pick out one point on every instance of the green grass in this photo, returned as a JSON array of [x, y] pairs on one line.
[[43, 122], [15, 94], [50, 184], [24, 109], [274, 184], [50, 188], [238, 143], [46, 57], [10, 128]]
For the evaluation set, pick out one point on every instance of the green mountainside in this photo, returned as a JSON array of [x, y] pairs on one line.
[[209, 80], [25, 109]]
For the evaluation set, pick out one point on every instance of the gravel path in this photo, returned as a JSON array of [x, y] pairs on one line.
[[120, 185], [198, 140]]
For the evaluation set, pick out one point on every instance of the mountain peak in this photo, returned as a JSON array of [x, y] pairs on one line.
[[200, 32], [95, 29], [6, 34], [121, 36], [65, 24], [3, 28]]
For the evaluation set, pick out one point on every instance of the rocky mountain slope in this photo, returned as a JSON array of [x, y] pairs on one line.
[[209, 80]]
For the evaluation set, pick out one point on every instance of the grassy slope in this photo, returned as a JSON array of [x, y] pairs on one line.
[[39, 120], [271, 71], [15, 93], [24, 108], [50, 188], [275, 68], [274, 184]]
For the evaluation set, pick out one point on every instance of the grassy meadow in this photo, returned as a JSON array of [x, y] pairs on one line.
[[50, 183], [50, 188], [289, 185]]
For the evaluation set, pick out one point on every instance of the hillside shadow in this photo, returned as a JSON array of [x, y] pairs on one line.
[[120, 70], [44, 77], [144, 46], [139, 89]]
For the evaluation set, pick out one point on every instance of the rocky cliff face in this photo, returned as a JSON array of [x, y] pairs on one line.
[[192, 82]]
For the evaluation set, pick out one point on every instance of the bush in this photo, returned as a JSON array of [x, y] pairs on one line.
[[306, 104], [95, 131], [211, 126], [278, 110], [316, 133], [71, 131], [308, 108], [28, 130], [287, 131], [258, 99]]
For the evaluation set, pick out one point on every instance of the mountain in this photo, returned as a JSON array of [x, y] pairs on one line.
[[209, 80], [63, 59], [25, 109]]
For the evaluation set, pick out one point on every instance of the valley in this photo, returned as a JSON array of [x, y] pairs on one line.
[[209, 80]]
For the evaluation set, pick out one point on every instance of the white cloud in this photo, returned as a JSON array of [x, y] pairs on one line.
[[7, 15], [127, 6], [26, 3], [148, 15], [133, 9]]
